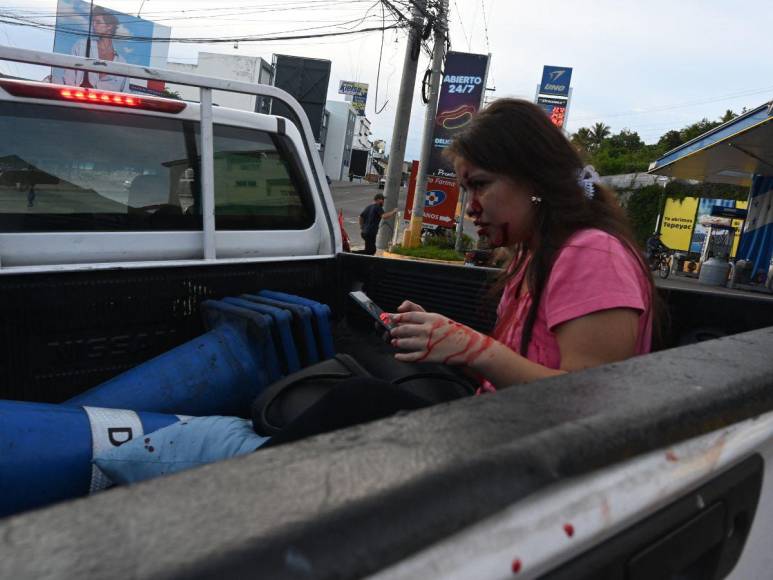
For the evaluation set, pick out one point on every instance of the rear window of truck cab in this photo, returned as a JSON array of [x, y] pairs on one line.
[[72, 169]]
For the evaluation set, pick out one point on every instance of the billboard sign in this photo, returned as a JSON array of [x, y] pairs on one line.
[[358, 92], [358, 104], [461, 94], [678, 222], [555, 107], [307, 80], [439, 202], [685, 222], [114, 36], [352, 88], [555, 81]]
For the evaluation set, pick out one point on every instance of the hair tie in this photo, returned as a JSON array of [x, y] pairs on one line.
[[587, 178]]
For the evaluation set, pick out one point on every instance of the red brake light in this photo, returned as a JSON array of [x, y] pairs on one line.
[[37, 90]]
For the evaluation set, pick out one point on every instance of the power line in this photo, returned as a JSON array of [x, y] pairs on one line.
[[378, 70], [204, 40], [208, 12], [485, 24], [461, 23]]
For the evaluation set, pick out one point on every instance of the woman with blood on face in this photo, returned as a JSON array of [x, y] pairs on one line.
[[577, 292]]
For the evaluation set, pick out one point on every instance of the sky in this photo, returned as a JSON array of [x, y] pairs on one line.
[[648, 66]]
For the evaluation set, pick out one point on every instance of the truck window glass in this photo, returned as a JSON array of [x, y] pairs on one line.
[[72, 169], [259, 183]]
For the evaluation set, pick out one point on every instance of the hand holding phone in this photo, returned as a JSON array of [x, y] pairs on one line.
[[373, 309]]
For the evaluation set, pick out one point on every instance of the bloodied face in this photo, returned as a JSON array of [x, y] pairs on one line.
[[501, 209]]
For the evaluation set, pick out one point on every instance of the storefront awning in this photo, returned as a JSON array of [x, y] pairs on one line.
[[731, 153]]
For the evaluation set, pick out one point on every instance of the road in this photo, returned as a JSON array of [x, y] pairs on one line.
[[352, 198]]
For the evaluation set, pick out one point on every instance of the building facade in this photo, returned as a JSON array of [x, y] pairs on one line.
[[340, 133], [248, 69], [362, 134]]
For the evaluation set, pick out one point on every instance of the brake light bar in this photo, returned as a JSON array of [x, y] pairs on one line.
[[35, 90]]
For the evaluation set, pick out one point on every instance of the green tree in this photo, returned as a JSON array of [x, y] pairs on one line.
[[598, 133], [642, 209], [728, 116], [670, 140], [583, 140], [625, 141]]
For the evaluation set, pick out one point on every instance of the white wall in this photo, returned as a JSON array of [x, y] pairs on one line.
[[226, 66], [336, 138]]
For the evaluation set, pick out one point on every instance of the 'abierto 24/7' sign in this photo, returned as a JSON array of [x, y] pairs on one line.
[[461, 94]]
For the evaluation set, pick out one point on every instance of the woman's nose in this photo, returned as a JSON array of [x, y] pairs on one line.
[[474, 208]]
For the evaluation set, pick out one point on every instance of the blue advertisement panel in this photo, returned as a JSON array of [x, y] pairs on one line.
[[114, 36], [555, 81], [461, 94], [705, 207]]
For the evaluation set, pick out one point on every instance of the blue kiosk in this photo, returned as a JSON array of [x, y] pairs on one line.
[[739, 152]]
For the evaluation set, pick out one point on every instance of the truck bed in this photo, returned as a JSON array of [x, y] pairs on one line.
[[354, 502]]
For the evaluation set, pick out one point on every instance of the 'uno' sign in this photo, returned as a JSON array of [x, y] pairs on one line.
[[555, 80]]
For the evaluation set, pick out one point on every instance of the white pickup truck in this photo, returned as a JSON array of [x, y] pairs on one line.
[[119, 214]]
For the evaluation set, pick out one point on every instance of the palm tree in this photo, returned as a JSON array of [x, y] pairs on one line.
[[583, 139], [599, 132]]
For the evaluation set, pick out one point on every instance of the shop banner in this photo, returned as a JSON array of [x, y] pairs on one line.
[[678, 223], [684, 225], [440, 201], [555, 81], [461, 94]]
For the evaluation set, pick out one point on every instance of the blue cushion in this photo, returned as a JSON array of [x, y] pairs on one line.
[[183, 445]]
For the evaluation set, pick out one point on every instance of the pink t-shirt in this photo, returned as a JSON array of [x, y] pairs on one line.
[[593, 271]]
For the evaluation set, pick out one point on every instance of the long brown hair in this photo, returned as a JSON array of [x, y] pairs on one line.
[[515, 138]]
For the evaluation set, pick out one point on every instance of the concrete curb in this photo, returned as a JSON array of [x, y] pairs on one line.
[[385, 254]]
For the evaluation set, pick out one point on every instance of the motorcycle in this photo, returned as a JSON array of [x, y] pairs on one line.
[[662, 263]]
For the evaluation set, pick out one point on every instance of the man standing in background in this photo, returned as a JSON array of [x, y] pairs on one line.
[[370, 218]]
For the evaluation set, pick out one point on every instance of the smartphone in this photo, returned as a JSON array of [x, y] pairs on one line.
[[371, 308]]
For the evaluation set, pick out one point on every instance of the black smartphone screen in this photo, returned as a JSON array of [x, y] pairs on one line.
[[371, 308]]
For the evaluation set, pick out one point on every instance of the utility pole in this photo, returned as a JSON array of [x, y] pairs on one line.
[[402, 120], [438, 53], [86, 83]]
